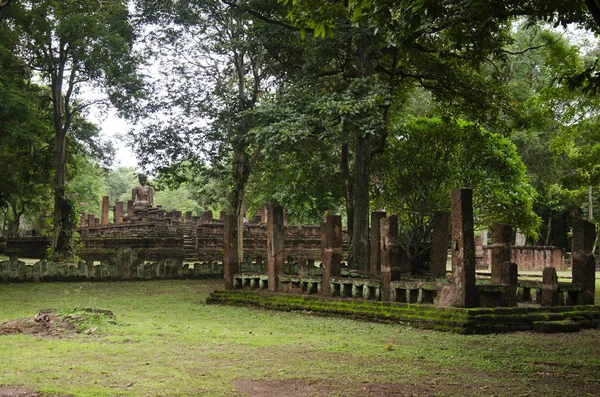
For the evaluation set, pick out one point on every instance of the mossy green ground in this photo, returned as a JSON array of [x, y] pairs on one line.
[[167, 342]]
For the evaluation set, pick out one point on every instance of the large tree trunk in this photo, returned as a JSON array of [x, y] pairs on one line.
[[349, 189], [360, 239], [62, 238], [241, 175]]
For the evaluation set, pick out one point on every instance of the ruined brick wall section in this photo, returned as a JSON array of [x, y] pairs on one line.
[[532, 257]]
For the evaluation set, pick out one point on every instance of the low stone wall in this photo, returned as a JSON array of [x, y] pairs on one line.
[[17, 271], [27, 247]]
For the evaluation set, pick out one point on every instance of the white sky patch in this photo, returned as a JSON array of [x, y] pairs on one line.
[[114, 129]]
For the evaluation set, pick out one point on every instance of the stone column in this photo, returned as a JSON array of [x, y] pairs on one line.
[[390, 254], [129, 208], [231, 264], [463, 249], [584, 262], [549, 287], [222, 216], [91, 220], [501, 247], [439, 245], [188, 216], [105, 201], [207, 215], [275, 246], [331, 254], [375, 261], [119, 212], [262, 213]]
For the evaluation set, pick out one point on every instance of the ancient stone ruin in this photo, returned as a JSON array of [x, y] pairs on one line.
[[147, 242]]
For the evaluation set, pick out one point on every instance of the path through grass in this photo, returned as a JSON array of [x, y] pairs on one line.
[[167, 342]]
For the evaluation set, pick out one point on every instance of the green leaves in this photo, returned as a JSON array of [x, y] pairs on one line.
[[429, 157]]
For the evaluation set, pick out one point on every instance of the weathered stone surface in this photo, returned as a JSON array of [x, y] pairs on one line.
[[375, 251], [550, 287], [275, 245], [439, 245], [119, 212], [501, 249], [463, 249], [105, 202], [584, 262], [331, 256], [390, 254]]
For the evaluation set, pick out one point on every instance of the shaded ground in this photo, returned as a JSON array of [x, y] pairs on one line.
[[8, 391], [338, 388], [318, 388]]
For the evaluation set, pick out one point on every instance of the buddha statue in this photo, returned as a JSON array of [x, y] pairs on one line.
[[143, 195]]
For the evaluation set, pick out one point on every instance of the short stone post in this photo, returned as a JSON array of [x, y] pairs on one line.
[[129, 208], [390, 254], [262, 213], [549, 287], [375, 236], [510, 278], [105, 202], [331, 254], [207, 215], [465, 292], [584, 262], [231, 264], [118, 212], [439, 245], [275, 246], [82, 220], [91, 220], [188, 217], [501, 247]]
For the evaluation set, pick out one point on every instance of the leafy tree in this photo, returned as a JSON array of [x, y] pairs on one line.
[[427, 158], [25, 133], [552, 125], [119, 183], [70, 43], [370, 57], [214, 67]]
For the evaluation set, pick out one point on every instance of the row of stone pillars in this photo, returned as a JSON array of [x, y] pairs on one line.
[[122, 213], [387, 265], [385, 256]]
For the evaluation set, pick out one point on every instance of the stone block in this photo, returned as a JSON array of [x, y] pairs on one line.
[[550, 287], [501, 250], [584, 261], [331, 250], [464, 290]]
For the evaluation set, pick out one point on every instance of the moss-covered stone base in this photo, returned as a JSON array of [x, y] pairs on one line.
[[451, 319]]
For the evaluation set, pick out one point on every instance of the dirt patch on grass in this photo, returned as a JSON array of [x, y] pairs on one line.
[[322, 388], [10, 391], [52, 323], [16, 391]]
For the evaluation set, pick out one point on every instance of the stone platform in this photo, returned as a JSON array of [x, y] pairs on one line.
[[449, 319]]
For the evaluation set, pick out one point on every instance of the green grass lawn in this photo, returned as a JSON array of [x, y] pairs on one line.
[[167, 342]]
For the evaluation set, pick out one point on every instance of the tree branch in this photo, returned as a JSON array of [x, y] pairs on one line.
[[234, 4], [594, 9]]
